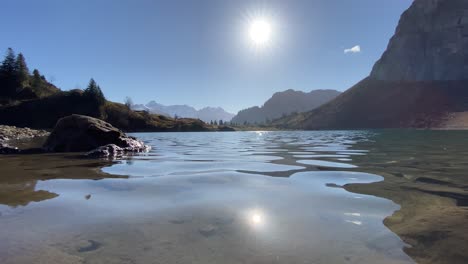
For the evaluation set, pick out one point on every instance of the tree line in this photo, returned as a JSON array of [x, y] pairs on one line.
[[15, 76], [17, 82]]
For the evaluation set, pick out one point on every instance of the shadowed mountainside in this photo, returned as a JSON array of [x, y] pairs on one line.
[[420, 81], [285, 103], [383, 104]]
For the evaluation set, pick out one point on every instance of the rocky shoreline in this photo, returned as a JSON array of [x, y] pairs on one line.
[[17, 133], [75, 133], [12, 133]]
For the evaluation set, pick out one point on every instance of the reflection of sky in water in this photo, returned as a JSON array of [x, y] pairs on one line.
[[204, 203]]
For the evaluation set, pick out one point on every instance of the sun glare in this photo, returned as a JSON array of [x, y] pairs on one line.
[[260, 31]]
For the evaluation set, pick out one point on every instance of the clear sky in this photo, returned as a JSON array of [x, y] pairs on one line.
[[197, 52]]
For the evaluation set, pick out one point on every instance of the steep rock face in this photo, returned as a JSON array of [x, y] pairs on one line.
[[285, 103], [430, 43]]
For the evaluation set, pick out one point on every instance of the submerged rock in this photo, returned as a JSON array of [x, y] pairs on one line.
[[78, 133]]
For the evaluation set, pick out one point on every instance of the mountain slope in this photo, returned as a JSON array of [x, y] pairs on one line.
[[285, 103], [386, 104], [206, 114], [420, 80]]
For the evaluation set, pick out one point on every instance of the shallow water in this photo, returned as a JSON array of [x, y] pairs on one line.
[[243, 197]]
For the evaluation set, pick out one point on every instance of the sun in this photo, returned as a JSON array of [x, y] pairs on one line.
[[260, 32]]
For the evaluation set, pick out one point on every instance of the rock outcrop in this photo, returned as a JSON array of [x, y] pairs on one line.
[[77, 133], [430, 44]]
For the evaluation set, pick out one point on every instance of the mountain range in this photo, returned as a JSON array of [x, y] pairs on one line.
[[283, 104], [206, 114], [421, 80]]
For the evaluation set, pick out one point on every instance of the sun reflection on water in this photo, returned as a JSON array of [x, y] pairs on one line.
[[256, 218]]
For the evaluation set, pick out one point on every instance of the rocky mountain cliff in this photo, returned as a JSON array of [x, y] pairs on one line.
[[420, 80], [430, 43], [206, 114], [285, 103]]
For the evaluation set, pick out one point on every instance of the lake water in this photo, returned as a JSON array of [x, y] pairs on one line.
[[241, 197]]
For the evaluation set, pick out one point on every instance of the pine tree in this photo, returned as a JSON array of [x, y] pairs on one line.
[[9, 63], [94, 93], [37, 81], [22, 71], [8, 80], [36, 76]]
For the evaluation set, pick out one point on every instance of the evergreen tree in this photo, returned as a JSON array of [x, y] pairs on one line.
[[8, 80], [221, 122], [36, 76], [9, 63], [94, 93], [22, 71], [36, 81]]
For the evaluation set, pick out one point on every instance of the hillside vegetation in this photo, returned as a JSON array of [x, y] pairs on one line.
[[29, 100]]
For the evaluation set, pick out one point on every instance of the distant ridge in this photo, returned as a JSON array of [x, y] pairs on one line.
[[205, 114], [285, 103]]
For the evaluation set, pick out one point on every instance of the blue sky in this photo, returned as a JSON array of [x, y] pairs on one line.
[[197, 52]]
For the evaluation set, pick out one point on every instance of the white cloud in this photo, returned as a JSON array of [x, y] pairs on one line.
[[355, 49]]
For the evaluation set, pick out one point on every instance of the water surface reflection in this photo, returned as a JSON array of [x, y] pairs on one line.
[[210, 198]]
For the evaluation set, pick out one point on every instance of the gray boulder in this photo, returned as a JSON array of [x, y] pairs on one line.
[[78, 133]]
